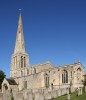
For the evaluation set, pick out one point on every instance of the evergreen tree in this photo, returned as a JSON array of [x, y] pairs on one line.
[[2, 76]]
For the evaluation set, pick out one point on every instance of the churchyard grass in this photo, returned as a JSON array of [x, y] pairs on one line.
[[73, 97]]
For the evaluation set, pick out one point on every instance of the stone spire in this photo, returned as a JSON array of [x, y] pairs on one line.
[[20, 59], [19, 45]]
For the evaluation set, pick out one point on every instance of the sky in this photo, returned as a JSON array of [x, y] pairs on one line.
[[54, 30]]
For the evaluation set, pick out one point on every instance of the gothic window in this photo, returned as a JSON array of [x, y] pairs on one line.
[[24, 62], [21, 61], [46, 79], [64, 76], [79, 73]]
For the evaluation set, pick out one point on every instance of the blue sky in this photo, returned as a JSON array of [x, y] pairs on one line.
[[54, 30]]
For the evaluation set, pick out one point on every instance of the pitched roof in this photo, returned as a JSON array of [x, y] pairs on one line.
[[11, 81]]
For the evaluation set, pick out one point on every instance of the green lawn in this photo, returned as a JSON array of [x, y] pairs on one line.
[[73, 97]]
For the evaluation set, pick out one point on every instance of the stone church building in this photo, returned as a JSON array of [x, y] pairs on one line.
[[23, 76]]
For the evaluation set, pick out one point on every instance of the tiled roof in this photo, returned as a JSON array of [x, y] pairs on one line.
[[11, 81]]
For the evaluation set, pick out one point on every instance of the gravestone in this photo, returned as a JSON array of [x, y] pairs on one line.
[[30, 96], [85, 88], [59, 92], [25, 94], [11, 95], [39, 96], [54, 94], [1, 96], [68, 96], [20, 96], [78, 91], [48, 96]]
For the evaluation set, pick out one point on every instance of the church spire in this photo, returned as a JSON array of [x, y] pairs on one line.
[[19, 45], [20, 59]]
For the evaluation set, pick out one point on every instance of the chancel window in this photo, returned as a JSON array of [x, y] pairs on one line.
[[64, 76], [46, 79]]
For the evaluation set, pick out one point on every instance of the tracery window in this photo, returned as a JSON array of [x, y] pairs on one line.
[[46, 80], [64, 76]]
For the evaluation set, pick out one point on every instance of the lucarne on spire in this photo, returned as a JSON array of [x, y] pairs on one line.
[[19, 45]]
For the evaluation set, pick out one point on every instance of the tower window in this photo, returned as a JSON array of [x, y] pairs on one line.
[[21, 61], [24, 62]]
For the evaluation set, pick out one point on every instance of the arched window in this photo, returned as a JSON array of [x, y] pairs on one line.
[[21, 61], [64, 76], [46, 80], [79, 74], [24, 62]]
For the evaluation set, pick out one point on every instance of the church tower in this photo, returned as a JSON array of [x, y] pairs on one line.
[[20, 59]]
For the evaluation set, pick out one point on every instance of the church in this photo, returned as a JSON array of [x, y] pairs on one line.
[[43, 76]]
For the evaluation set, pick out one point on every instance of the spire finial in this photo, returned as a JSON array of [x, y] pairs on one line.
[[20, 10]]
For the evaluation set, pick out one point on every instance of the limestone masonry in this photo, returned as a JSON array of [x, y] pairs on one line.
[[39, 82]]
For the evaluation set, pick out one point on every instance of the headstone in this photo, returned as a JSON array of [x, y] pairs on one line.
[[54, 94], [25, 94], [20, 96], [30, 96], [39, 96], [1, 96], [11, 95], [59, 92], [80, 91], [68, 96], [85, 88]]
